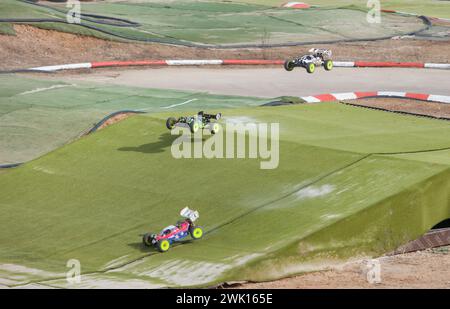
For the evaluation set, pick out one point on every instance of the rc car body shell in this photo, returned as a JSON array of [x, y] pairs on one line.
[[196, 122], [175, 233]]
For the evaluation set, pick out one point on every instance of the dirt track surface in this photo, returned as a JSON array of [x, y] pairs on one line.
[[274, 82], [52, 47], [424, 269]]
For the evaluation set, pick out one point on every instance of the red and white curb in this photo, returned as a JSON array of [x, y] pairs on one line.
[[296, 5], [200, 62], [390, 64], [376, 94]]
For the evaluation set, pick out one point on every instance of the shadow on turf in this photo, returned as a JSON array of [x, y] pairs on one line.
[[164, 141], [142, 248]]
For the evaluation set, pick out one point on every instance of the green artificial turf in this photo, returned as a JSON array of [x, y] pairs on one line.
[[6, 28], [333, 195], [38, 115], [216, 23], [421, 7]]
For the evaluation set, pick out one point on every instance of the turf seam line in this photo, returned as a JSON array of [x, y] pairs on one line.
[[290, 193], [412, 152]]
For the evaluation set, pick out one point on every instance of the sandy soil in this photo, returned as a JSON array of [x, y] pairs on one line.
[[423, 269], [35, 47], [114, 119]]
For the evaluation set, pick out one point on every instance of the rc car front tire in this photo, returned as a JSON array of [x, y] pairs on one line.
[[196, 232], [328, 65], [163, 245], [170, 123], [310, 68], [147, 239], [289, 65], [194, 127]]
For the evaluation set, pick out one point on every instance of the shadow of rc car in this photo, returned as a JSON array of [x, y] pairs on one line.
[[175, 233], [316, 57], [196, 122]]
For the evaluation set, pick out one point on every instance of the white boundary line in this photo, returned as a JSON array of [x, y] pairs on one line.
[[179, 104]]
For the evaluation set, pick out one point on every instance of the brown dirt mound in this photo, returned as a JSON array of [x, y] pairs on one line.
[[35, 47], [115, 119]]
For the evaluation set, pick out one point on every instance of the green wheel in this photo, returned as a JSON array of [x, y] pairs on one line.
[[170, 123], [214, 127], [311, 68], [163, 245], [289, 65], [194, 126], [147, 239], [196, 232], [328, 65]]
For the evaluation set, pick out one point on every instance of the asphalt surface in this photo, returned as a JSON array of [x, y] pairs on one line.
[[272, 82]]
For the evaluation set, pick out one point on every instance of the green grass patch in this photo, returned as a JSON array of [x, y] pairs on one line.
[[7, 29], [431, 8], [329, 198], [291, 100], [216, 23], [38, 115]]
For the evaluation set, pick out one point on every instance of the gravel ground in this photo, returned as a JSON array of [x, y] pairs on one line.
[[423, 269]]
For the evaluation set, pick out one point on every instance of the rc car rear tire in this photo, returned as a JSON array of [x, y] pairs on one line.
[[328, 65], [196, 232], [170, 123], [310, 68], [214, 128], [289, 65], [163, 245], [147, 239], [194, 126]]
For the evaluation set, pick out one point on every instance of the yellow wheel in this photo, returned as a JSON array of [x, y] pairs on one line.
[[197, 232], [194, 126], [170, 123], [163, 245], [215, 127], [311, 68], [328, 65]]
